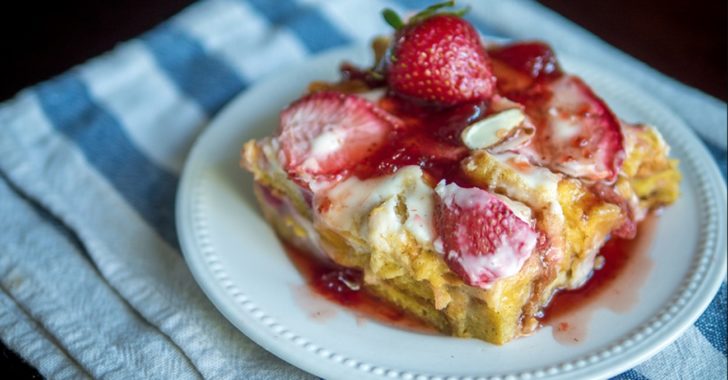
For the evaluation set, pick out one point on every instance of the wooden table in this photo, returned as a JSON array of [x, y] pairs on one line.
[[684, 39]]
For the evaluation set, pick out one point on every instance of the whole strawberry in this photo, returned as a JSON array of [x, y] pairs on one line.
[[438, 58]]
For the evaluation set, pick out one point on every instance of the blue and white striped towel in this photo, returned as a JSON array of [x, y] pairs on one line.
[[92, 283]]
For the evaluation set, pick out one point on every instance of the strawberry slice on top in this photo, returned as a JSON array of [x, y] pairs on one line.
[[576, 132], [484, 236], [438, 58], [324, 134], [534, 59]]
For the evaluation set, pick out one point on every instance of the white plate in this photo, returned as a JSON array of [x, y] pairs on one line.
[[241, 266]]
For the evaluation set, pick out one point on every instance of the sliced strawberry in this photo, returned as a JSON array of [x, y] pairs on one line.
[[520, 67], [535, 59], [439, 59], [483, 236], [324, 134], [577, 134]]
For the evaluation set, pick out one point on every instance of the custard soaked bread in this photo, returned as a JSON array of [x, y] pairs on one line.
[[468, 185]]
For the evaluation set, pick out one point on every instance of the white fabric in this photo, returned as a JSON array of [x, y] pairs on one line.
[[91, 287]]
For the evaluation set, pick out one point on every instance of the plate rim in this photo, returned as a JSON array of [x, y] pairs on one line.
[[219, 292]]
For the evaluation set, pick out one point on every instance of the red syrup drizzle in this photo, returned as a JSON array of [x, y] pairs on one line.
[[429, 138], [343, 286], [615, 286]]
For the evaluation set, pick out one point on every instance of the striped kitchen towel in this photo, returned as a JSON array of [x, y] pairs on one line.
[[92, 283]]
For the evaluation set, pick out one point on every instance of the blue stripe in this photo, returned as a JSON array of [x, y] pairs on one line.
[[629, 375], [720, 156], [202, 77], [712, 324], [307, 23], [148, 188], [276, 12]]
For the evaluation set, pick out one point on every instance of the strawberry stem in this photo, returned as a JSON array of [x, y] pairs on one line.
[[435, 9], [392, 18], [461, 12]]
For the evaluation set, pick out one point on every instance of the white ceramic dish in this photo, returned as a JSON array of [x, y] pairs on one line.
[[237, 260]]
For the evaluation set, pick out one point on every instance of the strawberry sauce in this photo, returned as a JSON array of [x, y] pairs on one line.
[[430, 138], [343, 286], [615, 286]]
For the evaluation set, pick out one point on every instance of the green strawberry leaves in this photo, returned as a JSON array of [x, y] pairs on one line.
[[393, 19]]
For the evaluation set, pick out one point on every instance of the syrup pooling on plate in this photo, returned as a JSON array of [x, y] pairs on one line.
[[343, 286], [616, 286]]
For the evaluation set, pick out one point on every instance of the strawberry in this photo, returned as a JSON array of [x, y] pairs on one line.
[[438, 58], [535, 59], [324, 134], [578, 134], [483, 236]]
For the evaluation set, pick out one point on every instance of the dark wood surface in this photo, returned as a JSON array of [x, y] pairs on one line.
[[683, 39], [41, 39]]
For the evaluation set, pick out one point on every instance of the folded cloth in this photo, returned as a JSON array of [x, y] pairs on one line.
[[92, 283]]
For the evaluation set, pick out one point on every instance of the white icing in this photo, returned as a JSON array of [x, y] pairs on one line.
[[452, 194], [566, 94], [328, 142], [563, 129], [437, 244], [505, 260], [582, 168], [521, 211], [385, 227], [352, 200], [566, 101], [534, 177]]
